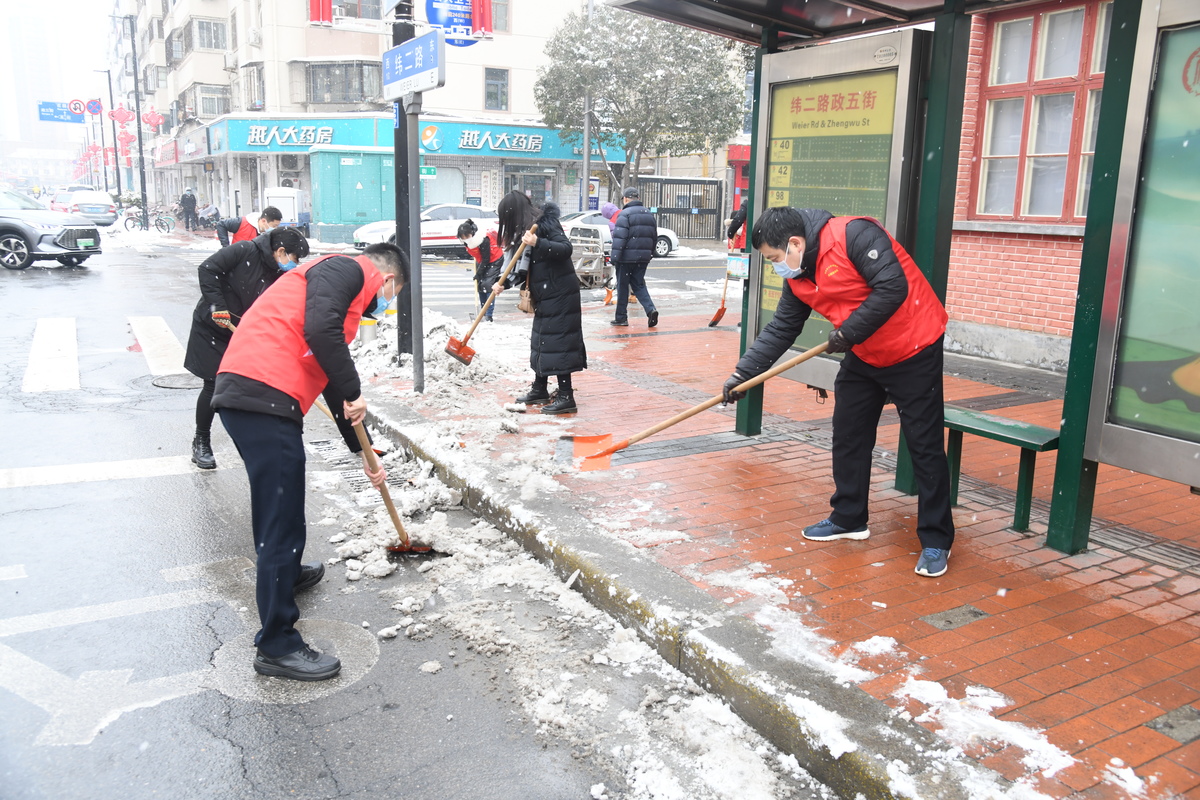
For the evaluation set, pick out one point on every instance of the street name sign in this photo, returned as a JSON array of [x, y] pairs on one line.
[[57, 112], [417, 65]]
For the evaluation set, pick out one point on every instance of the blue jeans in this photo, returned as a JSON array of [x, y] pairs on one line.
[[631, 277]]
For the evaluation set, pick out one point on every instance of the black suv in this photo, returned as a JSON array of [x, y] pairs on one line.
[[30, 232]]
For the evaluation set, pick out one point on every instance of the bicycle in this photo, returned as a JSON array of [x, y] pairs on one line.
[[163, 223]]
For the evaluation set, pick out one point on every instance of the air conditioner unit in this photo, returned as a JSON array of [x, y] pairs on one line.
[[231, 64], [254, 37], [338, 11], [289, 162]]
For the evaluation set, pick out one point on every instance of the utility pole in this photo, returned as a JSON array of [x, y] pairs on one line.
[[111, 107], [137, 102], [103, 148], [586, 178], [404, 29]]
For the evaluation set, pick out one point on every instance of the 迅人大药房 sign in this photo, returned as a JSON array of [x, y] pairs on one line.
[[508, 141]]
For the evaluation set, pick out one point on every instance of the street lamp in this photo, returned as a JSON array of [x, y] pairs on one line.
[[112, 107], [137, 104]]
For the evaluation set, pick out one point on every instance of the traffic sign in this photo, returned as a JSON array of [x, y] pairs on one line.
[[417, 65], [57, 112], [76, 106], [428, 173], [95, 107]]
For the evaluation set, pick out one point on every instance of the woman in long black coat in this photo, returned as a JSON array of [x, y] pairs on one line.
[[556, 345], [231, 279]]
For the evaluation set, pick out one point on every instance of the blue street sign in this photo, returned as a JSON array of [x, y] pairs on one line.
[[454, 17], [57, 112], [417, 65]]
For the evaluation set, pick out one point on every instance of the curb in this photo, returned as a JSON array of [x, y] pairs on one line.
[[878, 755]]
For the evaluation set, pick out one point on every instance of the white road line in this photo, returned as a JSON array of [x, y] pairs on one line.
[[12, 573], [53, 357], [95, 471], [163, 352], [121, 608]]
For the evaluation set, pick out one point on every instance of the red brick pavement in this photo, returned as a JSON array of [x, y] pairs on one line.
[[1086, 648]]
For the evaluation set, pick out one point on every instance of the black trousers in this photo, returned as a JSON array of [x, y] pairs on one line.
[[915, 386], [273, 450]]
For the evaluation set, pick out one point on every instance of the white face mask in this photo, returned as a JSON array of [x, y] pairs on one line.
[[781, 267]]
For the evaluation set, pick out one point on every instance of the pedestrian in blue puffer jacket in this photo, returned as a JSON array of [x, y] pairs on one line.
[[632, 249]]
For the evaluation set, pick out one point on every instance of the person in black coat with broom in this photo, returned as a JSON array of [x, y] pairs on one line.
[[556, 344], [231, 279]]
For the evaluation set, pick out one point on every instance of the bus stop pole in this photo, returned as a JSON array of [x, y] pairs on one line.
[[412, 110]]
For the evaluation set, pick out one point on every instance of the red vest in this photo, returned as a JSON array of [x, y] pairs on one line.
[[492, 240], [840, 289], [245, 232], [269, 345]]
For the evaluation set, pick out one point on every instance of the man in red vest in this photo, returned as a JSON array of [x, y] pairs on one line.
[[890, 324], [292, 345], [243, 229]]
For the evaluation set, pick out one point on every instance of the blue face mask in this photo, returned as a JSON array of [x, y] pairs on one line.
[[378, 308], [288, 266], [781, 267]]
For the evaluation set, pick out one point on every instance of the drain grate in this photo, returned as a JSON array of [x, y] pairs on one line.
[[183, 380], [955, 617]]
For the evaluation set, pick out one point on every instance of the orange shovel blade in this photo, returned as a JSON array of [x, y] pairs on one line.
[[586, 448], [459, 350]]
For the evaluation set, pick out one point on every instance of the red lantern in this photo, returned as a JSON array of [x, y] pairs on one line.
[[122, 115], [153, 118]]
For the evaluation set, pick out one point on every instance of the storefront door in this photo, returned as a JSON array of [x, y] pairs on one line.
[[537, 186]]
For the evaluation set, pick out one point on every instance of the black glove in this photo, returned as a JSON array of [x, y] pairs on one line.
[[838, 343], [727, 391]]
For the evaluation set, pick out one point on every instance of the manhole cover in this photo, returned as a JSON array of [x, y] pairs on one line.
[[183, 381]]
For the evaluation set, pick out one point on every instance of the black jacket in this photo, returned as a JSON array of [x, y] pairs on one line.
[[556, 344], [188, 201], [226, 228], [231, 279], [736, 221], [871, 253], [634, 235], [490, 264], [331, 286]]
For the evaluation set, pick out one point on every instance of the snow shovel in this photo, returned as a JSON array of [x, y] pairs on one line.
[[600, 460], [721, 311], [405, 545], [459, 350]]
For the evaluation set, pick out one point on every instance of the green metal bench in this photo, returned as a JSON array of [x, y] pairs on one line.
[[1032, 439]]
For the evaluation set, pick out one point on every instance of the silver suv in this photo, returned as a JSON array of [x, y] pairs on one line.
[[30, 232]]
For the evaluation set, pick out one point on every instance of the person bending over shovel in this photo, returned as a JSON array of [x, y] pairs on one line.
[[291, 346], [890, 324]]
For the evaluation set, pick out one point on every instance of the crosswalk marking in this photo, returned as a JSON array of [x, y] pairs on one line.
[[98, 471], [12, 573], [53, 358], [163, 352]]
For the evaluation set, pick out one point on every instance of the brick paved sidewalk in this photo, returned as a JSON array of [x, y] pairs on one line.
[[1097, 651]]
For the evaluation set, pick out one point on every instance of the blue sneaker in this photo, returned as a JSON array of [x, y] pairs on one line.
[[932, 562], [827, 531]]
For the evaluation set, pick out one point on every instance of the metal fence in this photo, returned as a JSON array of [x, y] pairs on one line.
[[692, 207]]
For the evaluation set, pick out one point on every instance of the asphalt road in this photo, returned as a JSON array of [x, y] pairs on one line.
[[127, 608]]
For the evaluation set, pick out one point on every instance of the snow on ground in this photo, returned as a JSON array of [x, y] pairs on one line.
[[566, 690], [696, 252]]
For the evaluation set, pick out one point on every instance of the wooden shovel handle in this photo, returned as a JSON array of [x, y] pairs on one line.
[[512, 262], [712, 401], [373, 463]]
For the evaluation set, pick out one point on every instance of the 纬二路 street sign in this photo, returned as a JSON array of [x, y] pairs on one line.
[[417, 65]]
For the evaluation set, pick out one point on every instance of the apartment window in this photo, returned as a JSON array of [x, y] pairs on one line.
[[358, 9], [500, 18], [495, 89], [174, 47], [350, 82], [253, 87], [162, 77], [210, 34], [211, 101], [1041, 97]]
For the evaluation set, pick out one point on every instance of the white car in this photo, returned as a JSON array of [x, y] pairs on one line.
[[439, 228], [663, 245]]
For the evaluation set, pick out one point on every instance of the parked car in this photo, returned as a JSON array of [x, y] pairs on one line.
[[439, 228], [99, 207], [61, 200], [29, 232], [663, 245]]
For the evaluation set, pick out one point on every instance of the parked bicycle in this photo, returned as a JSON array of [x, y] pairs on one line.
[[163, 223]]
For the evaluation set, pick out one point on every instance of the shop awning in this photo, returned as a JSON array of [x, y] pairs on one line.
[[797, 21]]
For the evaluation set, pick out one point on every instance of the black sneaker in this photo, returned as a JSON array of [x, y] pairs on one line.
[[652, 319], [619, 323], [310, 576], [305, 664], [564, 403], [826, 530]]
